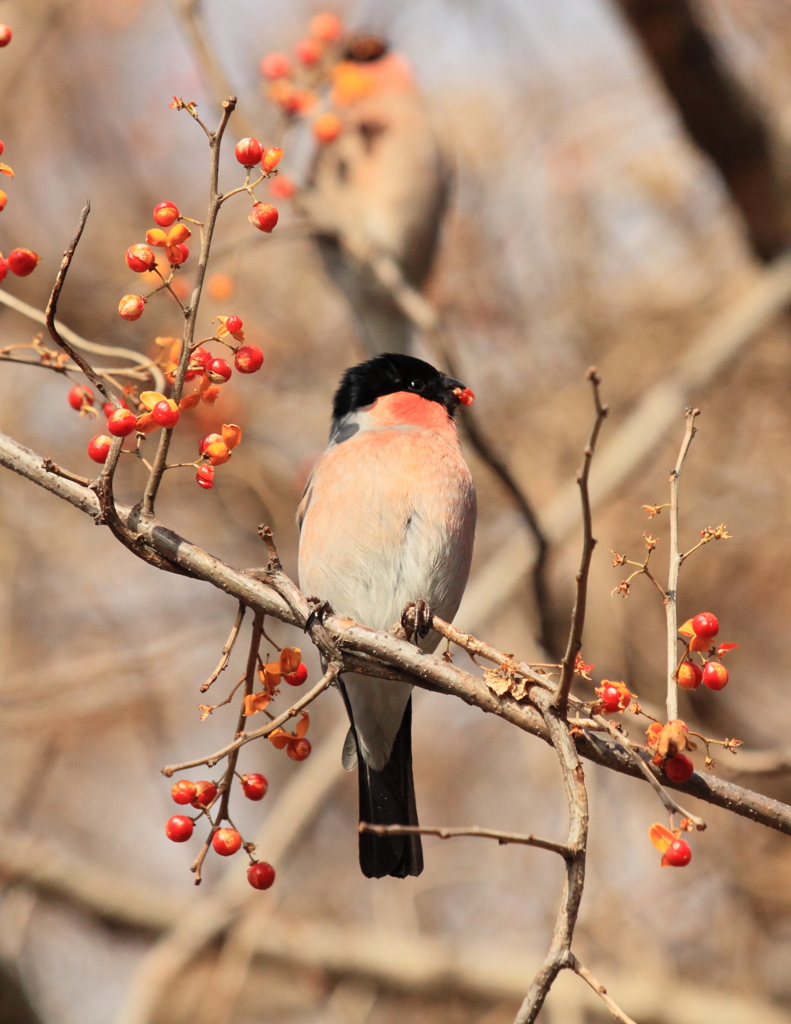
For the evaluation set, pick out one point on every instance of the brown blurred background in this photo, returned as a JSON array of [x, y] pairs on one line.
[[619, 179]]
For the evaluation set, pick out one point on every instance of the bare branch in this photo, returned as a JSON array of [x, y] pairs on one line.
[[226, 651], [451, 833], [588, 544], [600, 990], [559, 955], [52, 306], [142, 365]]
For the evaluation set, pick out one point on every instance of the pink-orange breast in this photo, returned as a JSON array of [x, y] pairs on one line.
[[389, 517]]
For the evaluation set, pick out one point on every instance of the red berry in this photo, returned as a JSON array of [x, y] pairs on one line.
[[677, 855], [248, 359], [183, 791], [690, 675], [207, 791], [325, 26], [282, 187], [679, 768], [218, 371], [165, 415], [327, 127], [715, 675], [248, 151], [261, 875], [271, 159], [166, 213], [179, 828], [131, 307], [233, 324], [121, 422], [275, 65], [140, 258], [298, 750], [613, 698], [99, 447], [178, 254], [298, 676], [2, 147], [22, 262], [205, 477], [226, 841], [308, 51], [207, 440], [254, 786], [108, 408], [3, 200], [705, 625], [3, 267], [263, 216], [80, 395], [5, 35], [200, 357]]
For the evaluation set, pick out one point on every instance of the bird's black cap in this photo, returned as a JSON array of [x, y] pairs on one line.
[[386, 374]]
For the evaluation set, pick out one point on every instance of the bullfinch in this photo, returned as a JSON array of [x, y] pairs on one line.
[[383, 180], [388, 518]]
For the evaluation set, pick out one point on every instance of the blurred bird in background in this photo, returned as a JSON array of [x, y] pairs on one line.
[[387, 519], [380, 188]]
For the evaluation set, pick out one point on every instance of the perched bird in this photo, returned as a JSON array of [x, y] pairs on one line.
[[388, 518], [380, 187]]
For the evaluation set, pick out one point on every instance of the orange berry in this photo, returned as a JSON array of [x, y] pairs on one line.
[[327, 127], [275, 65], [325, 26]]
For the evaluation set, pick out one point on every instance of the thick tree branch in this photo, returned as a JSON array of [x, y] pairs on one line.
[[367, 651]]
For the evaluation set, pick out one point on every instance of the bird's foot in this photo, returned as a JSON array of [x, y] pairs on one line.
[[318, 613], [416, 620]]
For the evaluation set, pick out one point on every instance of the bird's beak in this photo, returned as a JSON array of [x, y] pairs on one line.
[[464, 395]]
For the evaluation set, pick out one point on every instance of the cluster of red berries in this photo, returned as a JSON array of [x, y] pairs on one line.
[[296, 90], [700, 632], [224, 841], [249, 152], [19, 261], [141, 257]]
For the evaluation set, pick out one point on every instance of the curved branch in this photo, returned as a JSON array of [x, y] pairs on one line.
[[370, 652]]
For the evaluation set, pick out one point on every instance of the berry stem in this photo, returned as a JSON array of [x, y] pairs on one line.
[[675, 560]]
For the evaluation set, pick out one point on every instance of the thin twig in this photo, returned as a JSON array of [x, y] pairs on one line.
[[671, 806], [226, 651], [582, 971], [327, 679], [190, 15], [451, 833], [671, 604], [588, 544], [143, 366], [52, 305]]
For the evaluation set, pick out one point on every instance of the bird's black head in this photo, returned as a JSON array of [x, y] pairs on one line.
[[386, 374]]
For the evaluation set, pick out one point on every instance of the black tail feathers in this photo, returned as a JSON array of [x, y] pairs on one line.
[[388, 798]]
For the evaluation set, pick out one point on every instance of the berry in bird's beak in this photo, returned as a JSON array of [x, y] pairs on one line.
[[464, 395]]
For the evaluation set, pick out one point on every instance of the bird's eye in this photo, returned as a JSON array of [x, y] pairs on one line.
[[416, 385]]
